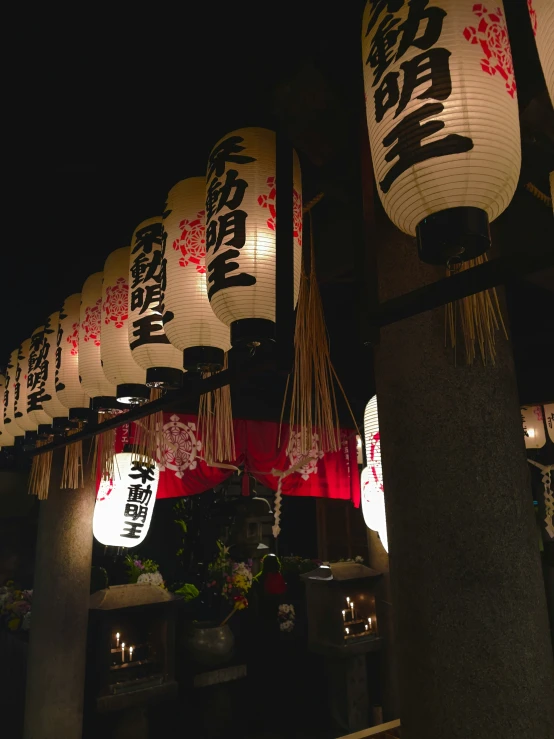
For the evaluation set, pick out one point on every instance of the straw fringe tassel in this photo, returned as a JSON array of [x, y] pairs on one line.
[[149, 434], [41, 467], [104, 450], [72, 475], [215, 423]]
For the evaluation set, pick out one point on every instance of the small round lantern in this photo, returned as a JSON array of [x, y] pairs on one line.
[[68, 384], [542, 22], [538, 425], [443, 120], [6, 438], [189, 322], [124, 505], [117, 361], [150, 346], [10, 421], [240, 232], [93, 380], [50, 401]]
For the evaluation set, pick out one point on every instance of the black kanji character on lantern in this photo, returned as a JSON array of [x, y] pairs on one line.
[[148, 237], [138, 269], [146, 297], [132, 530], [138, 494], [227, 151], [431, 66], [229, 224], [146, 472], [146, 331], [230, 193], [383, 46], [34, 401], [136, 512], [420, 17], [220, 268], [408, 135], [377, 7]]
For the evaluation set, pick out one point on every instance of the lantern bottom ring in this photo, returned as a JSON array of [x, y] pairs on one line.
[[44, 430], [252, 332], [132, 394], [203, 359], [79, 414], [453, 235], [165, 378], [62, 423], [105, 404], [30, 437]]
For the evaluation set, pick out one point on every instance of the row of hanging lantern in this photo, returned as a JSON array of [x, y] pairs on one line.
[[192, 282], [443, 119]]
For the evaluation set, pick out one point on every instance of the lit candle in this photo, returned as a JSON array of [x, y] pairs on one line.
[[123, 651], [344, 615], [352, 609], [131, 654], [366, 627], [348, 602], [369, 622], [117, 639], [347, 629]]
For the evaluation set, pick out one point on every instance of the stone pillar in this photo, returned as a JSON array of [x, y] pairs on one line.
[[57, 648], [471, 630]]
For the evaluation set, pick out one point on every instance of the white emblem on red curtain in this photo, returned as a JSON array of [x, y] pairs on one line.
[[91, 322], [267, 200], [181, 447], [491, 33], [192, 243], [315, 454], [116, 305]]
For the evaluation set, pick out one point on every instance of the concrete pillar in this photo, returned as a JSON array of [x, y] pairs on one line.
[[471, 630], [57, 648]]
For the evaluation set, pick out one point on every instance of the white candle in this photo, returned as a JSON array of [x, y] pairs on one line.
[[344, 615], [366, 627], [117, 639], [131, 654], [369, 622], [347, 629], [352, 609], [348, 602], [123, 651]]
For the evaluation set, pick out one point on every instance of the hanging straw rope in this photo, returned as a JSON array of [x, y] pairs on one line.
[[72, 475], [215, 423], [41, 467], [314, 414], [149, 433], [478, 317]]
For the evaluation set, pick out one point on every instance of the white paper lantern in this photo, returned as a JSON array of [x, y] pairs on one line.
[[68, 385], [532, 420], [549, 420], [124, 505], [6, 438], [373, 499], [117, 360], [150, 346], [20, 397], [443, 120], [51, 403], [542, 22], [10, 422], [36, 371], [93, 379], [240, 231], [189, 322]]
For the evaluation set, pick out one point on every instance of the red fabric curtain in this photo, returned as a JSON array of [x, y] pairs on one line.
[[183, 470]]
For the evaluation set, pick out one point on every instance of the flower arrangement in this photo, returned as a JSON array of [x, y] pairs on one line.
[[143, 571], [287, 617], [232, 579], [15, 607]]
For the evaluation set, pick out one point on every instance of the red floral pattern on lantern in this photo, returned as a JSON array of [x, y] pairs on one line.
[[192, 242], [533, 14], [268, 201], [91, 323], [116, 305], [73, 340], [492, 35]]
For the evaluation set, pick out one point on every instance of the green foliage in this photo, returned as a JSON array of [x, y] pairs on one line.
[[189, 591], [136, 566]]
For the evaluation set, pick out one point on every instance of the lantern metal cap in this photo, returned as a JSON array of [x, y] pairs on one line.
[[61, 424], [252, 332], [165, 378], [79, 414], [105, 403], [452, 236], [132, 394], [203, 359], [30, 437], [44, 430]]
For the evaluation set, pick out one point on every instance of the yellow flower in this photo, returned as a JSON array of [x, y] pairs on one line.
[[13, 625]]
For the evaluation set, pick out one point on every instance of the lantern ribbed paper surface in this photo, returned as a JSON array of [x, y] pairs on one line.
[[532, 419], [240, 226], [542, 22], [10, 421], [124, 505], [373, 499], [93, 379], [68, 386], [150, 346], [441, 107], [6, 438], [20, 401], [36, 378], [188, 318], [117, 360], [51, 403]]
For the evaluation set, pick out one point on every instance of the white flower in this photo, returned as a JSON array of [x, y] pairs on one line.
[[286, 626], [152, 578], [359, 559]]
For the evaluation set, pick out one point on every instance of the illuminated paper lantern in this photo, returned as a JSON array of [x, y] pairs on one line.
[[373, 499], [151, 348], [20, 398], [93, 379], [124, 505], [189, 322], [117, 360], [542, 22], [443, 120], [36, 378], [68, 385], [537, 422], [240, 232], [6, 438], [10, 422], [50, 401]]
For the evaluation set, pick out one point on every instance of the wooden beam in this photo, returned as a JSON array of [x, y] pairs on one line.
[[374, 731]]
